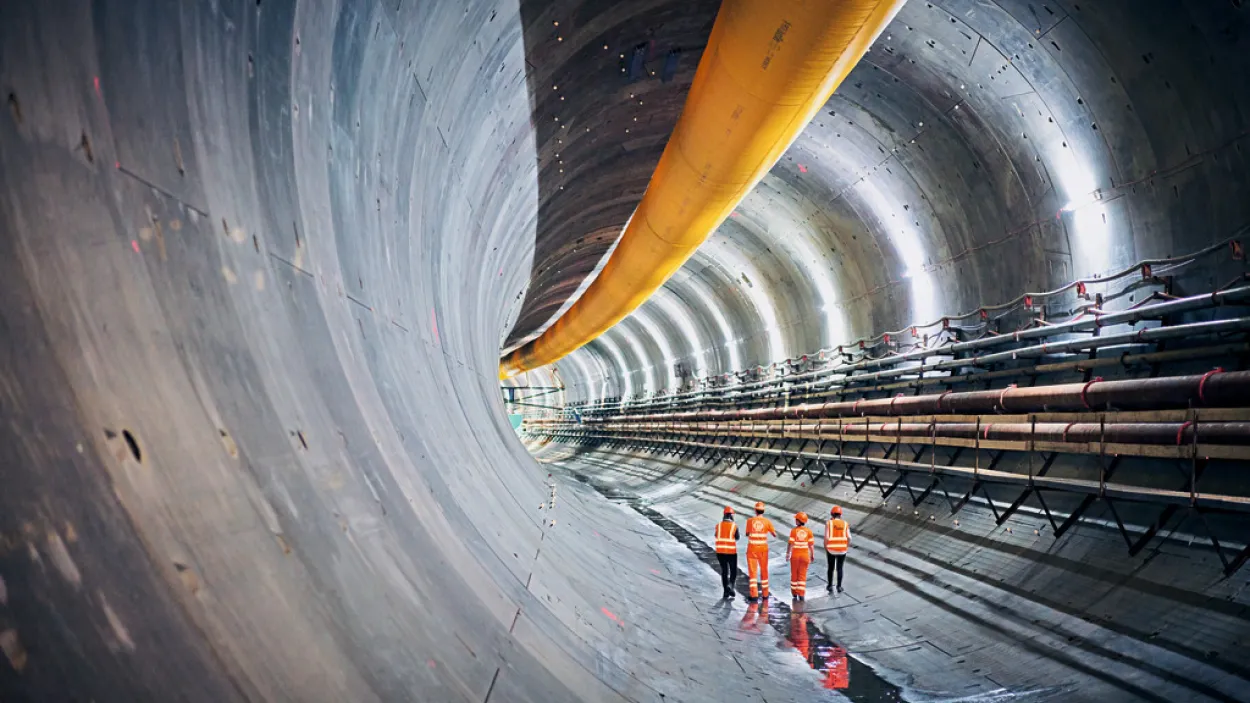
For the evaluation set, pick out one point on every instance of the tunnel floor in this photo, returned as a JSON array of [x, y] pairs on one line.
[[977, 643], [665, 632]]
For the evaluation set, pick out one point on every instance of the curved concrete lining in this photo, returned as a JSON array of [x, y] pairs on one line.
[[258, 258]]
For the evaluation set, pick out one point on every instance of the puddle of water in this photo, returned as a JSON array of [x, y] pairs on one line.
[[838, 670]]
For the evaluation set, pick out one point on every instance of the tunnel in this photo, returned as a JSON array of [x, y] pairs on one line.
[[261, 260]]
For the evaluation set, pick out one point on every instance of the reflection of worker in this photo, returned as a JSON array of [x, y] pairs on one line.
[[727, 551], [758, 529], [837, 675], [837, 543], [801, 551], [751, 619], [798, 635]]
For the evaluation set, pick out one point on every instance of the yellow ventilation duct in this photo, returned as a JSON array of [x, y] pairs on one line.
[[769, 66]]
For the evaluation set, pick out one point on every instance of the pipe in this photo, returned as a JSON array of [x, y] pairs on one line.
[[1212, 389], [1120, 491], [1083, 324], [1153, 334], [767, 69], [1125, 360], [1157, 433]]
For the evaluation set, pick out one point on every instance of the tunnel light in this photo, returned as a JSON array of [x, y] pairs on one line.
[[730, 344], [648, 380], [587, 378], [675, 312], [626, 386], [1089, 199], [760, 296], [648, 325]]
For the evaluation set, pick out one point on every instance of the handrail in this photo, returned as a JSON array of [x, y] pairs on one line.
[[1095, 318]]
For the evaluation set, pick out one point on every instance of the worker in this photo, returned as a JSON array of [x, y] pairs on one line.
[[758, 529], [837, 543], [800, 553], [727, 551]]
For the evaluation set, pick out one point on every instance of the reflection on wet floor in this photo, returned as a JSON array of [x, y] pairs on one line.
[[821, 655], [840, 672]]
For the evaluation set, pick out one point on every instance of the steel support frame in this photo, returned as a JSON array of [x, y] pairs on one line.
[[756, 454]]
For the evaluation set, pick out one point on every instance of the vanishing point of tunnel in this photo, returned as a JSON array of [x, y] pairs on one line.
[[288, 290]]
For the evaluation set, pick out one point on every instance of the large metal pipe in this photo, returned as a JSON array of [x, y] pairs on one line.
[[1212, 389], [767, 69], [1158, 433]]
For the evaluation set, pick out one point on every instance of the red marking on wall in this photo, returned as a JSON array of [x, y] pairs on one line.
[[655, 572], [97, 88], [434, 325], [134, 244], [612, 615], [430, 663], [734, 214], [802, 168]]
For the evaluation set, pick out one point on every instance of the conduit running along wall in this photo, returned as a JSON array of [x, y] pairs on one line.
[[767, 69]]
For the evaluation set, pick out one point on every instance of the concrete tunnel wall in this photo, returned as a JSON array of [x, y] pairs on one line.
[[258, 261]]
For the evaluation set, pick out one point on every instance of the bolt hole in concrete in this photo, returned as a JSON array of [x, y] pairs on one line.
[[133, 445], [228, 442], [16, 108], [838, 671]]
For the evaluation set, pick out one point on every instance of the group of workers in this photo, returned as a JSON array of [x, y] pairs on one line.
[[800, 551]]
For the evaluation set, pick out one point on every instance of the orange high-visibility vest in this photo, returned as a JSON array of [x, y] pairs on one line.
[[757, 532], [837, 536], [725, 542], [801, 541]]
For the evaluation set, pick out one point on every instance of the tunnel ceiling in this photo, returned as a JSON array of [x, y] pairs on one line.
[[979, 150]]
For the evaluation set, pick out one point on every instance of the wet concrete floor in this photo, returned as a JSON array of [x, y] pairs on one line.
[[802, 636]]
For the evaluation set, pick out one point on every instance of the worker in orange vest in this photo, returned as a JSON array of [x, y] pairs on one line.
[[727, 551], [837, 543], [800, 553], [758, 529]]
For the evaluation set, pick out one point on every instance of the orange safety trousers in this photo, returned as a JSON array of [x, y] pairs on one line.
[[798, 574], [757, 570]]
